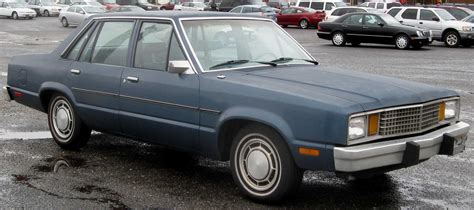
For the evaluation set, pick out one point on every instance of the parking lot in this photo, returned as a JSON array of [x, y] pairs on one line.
[[117, 172]]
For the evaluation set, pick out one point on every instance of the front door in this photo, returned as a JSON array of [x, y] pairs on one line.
[[352, 27], [427, 21], [375, 30], [96, 76], [156, 105]]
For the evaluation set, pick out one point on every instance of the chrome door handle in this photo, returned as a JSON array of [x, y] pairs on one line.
[[75, 71], [132, 79], [365, 26]]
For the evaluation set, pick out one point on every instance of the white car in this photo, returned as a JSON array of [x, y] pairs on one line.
[[443, 26], [326, 5], [76, 14], [44, 7], [89, 3], [190, 6], [381, 6], [16, 10], [338, 12]]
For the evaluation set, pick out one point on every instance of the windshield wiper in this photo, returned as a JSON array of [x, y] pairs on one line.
[[288, 59], [238, 62]]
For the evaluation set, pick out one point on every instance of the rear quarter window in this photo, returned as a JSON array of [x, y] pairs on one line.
[[317, 5], [410, 14]]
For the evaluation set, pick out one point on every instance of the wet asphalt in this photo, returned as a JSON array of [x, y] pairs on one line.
[[116, 172]]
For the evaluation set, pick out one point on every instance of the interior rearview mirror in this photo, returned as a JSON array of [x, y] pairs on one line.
[[179, 67]]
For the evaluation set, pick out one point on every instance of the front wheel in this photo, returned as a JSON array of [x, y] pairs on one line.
[[304, 24], [67, 129], [402, 42], [338, 39], [14, 16], [452, 39], [261, 164], [46, 13], [64, 22]]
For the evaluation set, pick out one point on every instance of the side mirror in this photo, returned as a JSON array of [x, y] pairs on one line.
[[435, 19], [401, 21], [179, 67], [82, 12], [381, 24]]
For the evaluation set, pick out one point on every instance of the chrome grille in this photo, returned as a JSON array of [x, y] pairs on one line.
[[408, 120]]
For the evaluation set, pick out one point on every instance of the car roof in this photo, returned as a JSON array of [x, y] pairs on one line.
[[176, 14], [252, 5]]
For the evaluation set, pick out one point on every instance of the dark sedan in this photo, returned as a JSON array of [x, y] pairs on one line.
[[357, 28]]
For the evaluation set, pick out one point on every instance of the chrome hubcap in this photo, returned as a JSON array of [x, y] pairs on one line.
[[452, 39], [338, 39], [402, 42], [304, 24], [258, 164], [63, 119]]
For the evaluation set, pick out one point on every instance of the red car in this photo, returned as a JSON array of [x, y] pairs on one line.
[[300, 16]]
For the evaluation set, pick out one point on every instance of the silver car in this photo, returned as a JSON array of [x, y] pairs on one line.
[[259, 10], [75, 14]]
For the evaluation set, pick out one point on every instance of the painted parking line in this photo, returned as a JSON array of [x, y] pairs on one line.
[[25, 135]]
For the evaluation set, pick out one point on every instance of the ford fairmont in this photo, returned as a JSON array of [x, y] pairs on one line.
[[233, 87]]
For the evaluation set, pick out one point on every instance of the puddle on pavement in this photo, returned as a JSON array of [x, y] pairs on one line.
[[60, 163]]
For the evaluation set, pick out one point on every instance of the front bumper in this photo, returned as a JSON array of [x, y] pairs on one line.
[[405, 151], [6, 94], [26, 15], [467, 36]]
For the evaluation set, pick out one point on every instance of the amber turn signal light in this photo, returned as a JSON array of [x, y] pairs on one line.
[[442, 107], [373, 124], [308, 151]]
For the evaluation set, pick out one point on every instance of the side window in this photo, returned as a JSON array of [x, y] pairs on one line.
[[427, 15], [254, 9], [372, 5], [317, 5], [236, 10], [337, 12], [304, 4], [471, 20], [394, 12], [410, 14], [87, 51], [371, 20], [71, 9], [76, 49], [176, 52], [112, 43], [354, 20], [246, 10], [152, 46], [379, 5], [328, 6], [78, 10]]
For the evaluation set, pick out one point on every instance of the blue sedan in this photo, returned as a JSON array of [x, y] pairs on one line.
[[233, 87]]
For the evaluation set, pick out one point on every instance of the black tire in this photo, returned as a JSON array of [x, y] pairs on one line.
[[284, 26], [452, 39], [338, 38], [280, 175], [15, 16], [67, 128], [64, 22], [46, 13], [402, 41], [304, 24]]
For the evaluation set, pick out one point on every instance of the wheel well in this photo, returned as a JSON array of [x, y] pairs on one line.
[[448, 30], [303, 19], [45, 97], [229, 130]]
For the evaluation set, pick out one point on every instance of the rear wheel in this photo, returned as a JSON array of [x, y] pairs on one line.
[[67, 129], [261, 164], [338, 38], [304, 24], [14, 15], [402, 41], [64, 22], [452, 39], [46, 13]]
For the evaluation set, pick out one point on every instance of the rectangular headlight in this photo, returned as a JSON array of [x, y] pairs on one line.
[[451, 109], [357, 127]]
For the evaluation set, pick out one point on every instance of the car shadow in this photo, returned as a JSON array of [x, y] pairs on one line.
[[375, 46]]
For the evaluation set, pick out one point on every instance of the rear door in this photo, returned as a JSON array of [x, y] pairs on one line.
[[352, 26], [96, 75], [410, 17], [156, 105]]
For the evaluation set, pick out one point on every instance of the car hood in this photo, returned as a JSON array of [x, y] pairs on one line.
[[367, 90]]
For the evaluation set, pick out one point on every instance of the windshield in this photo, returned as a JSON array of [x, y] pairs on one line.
[[389, 19], [93, 9], [17, 5], [219, 41], [444, 14]]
